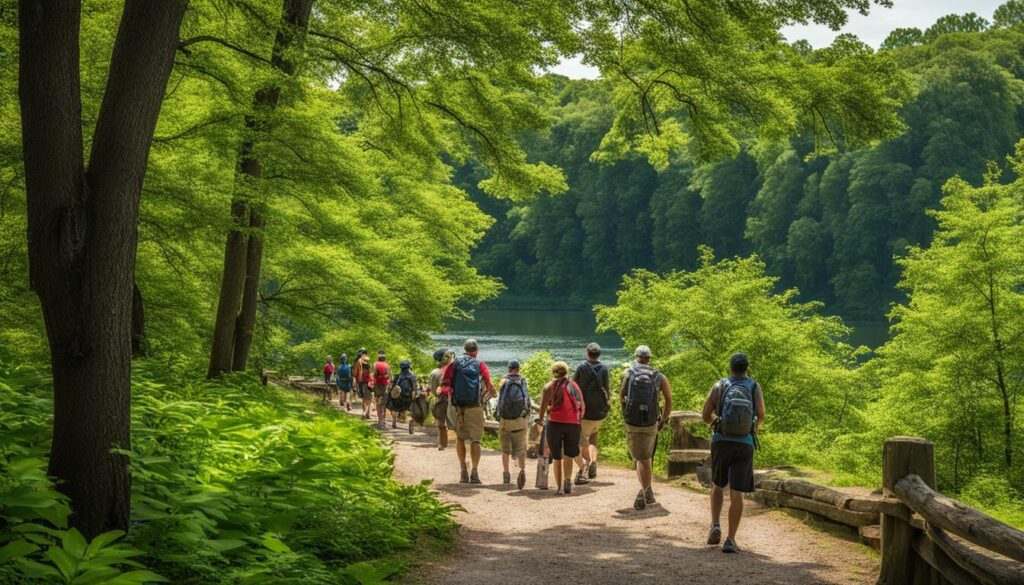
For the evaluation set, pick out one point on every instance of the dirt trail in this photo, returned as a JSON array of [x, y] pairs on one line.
[[594, 535]]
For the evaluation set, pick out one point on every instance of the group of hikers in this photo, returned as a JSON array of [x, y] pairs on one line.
[[572, 408]]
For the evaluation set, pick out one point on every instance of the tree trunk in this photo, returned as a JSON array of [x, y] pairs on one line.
[[83, 230], [140, 348], [243, 255]]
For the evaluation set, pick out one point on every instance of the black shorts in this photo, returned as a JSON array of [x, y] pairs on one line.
[[563, 437], [732, 464]]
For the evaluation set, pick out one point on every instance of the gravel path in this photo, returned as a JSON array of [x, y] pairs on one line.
[[594, 535]]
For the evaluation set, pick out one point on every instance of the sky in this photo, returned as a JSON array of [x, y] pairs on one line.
[[872, 29]]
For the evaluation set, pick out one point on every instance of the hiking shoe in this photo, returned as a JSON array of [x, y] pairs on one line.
[[592, 470], [640, 502], [729, 546], [567, 486], [464, 476], [506, 477], [474, 478], [715, 534], [410, 426], [581, 479], [649, 496], [521, 479]]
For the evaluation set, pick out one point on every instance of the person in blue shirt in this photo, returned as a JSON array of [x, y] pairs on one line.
[[735, 410], [343, 380]]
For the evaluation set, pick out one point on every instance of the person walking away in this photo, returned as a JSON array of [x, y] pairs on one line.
[[441, 395], [639, 394], [328, 381], [381, 381], [594, 382], [470, 385], [363, 376], [401, 393], [343, 380], [563, 404], [513, 422], [735, 411]]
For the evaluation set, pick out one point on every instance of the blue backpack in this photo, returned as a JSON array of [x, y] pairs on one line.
[[466, 381], [736, 407], [343, 376]]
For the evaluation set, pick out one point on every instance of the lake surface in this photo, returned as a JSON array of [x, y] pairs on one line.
[[506, 334]]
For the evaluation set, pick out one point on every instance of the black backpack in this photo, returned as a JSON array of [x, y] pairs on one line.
[[406, 383], [641, 408], [594, 393], [515, 402], [736, 407]]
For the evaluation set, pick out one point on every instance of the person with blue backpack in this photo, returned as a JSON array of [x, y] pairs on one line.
[[343, 380], [470, 384], [514, 407], [643, 387], [735, 410]]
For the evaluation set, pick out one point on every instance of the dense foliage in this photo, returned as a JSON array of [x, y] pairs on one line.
[[233, 483]]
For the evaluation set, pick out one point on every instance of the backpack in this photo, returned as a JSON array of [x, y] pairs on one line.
[[736, 407], [594, 394], [515, 402], [405, 384], [343, 376], [642, 396], [466, 381]]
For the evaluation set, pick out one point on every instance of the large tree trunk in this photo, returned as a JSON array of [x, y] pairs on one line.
[[243, 255], [140, 347], [82, 233]]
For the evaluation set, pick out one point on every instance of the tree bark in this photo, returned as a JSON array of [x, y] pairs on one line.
[[140, 347], [83, 231], [236, 310]]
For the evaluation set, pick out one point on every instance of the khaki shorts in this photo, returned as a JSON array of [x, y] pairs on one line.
[[590, 432], [469, 423], [512, 434], [380, 393], [640, 441]]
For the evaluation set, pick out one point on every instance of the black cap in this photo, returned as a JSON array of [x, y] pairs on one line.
[[439, 354], [405, 365], [739, 363], [513, 364]]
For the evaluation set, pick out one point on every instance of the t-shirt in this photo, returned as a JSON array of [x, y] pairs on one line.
[[569, 410], [716, 398], [449, 373]]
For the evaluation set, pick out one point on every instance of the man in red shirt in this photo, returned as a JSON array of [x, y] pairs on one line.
[[468, 382], [381, 380]]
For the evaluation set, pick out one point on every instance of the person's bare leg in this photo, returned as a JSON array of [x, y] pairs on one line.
[[716, 504], [557, 468], [442, 437], [567, 468], [380, 412], [460, 451], [505, 457], [592, 449], [581, 463], [522, 462], [474, 454], [735, 512], [645, 472]]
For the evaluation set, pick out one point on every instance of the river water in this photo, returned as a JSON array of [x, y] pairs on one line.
[[506, 334]]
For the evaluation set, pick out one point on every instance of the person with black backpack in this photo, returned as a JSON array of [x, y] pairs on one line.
[[639, 394], [594, 381], [470, 384], [514, 420], [401, 393], [735, 411]]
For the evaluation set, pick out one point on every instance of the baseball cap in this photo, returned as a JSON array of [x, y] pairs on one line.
[[405, 365], [439, 354], [643, 351], [739, 362], [513, 364]]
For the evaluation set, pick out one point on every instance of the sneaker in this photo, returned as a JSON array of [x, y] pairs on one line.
[[474, 478], [521, 480], [730, 546], [464, 476], [640, 502], [649, 496], [506, 477], [715, 534], [592, 470], [581, 479], [410, 426], [567, 486]]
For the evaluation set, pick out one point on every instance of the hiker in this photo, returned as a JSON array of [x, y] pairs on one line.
[[328, 374], [735, 411], [563, 404], [362, 374], [514, 420], [442, 357], [470, 385], [343, 380], [638, 396], [594, 382], [381, 381], [401, 393]]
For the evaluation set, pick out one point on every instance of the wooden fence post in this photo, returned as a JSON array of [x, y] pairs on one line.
[[901, 457]]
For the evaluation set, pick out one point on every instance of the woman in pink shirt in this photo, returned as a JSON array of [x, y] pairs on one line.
[[562, 402]]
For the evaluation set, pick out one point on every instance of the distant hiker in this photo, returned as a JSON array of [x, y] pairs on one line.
[[638, 395], [420, 408], [328, 375], [514, 420], [594, 381], [401, 393], [343, 380], [735, 410], [381, 380], [470, 384], [363, 373], [441, 394], [563, 404]]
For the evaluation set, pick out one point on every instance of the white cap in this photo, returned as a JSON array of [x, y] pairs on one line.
[[643, 351]]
